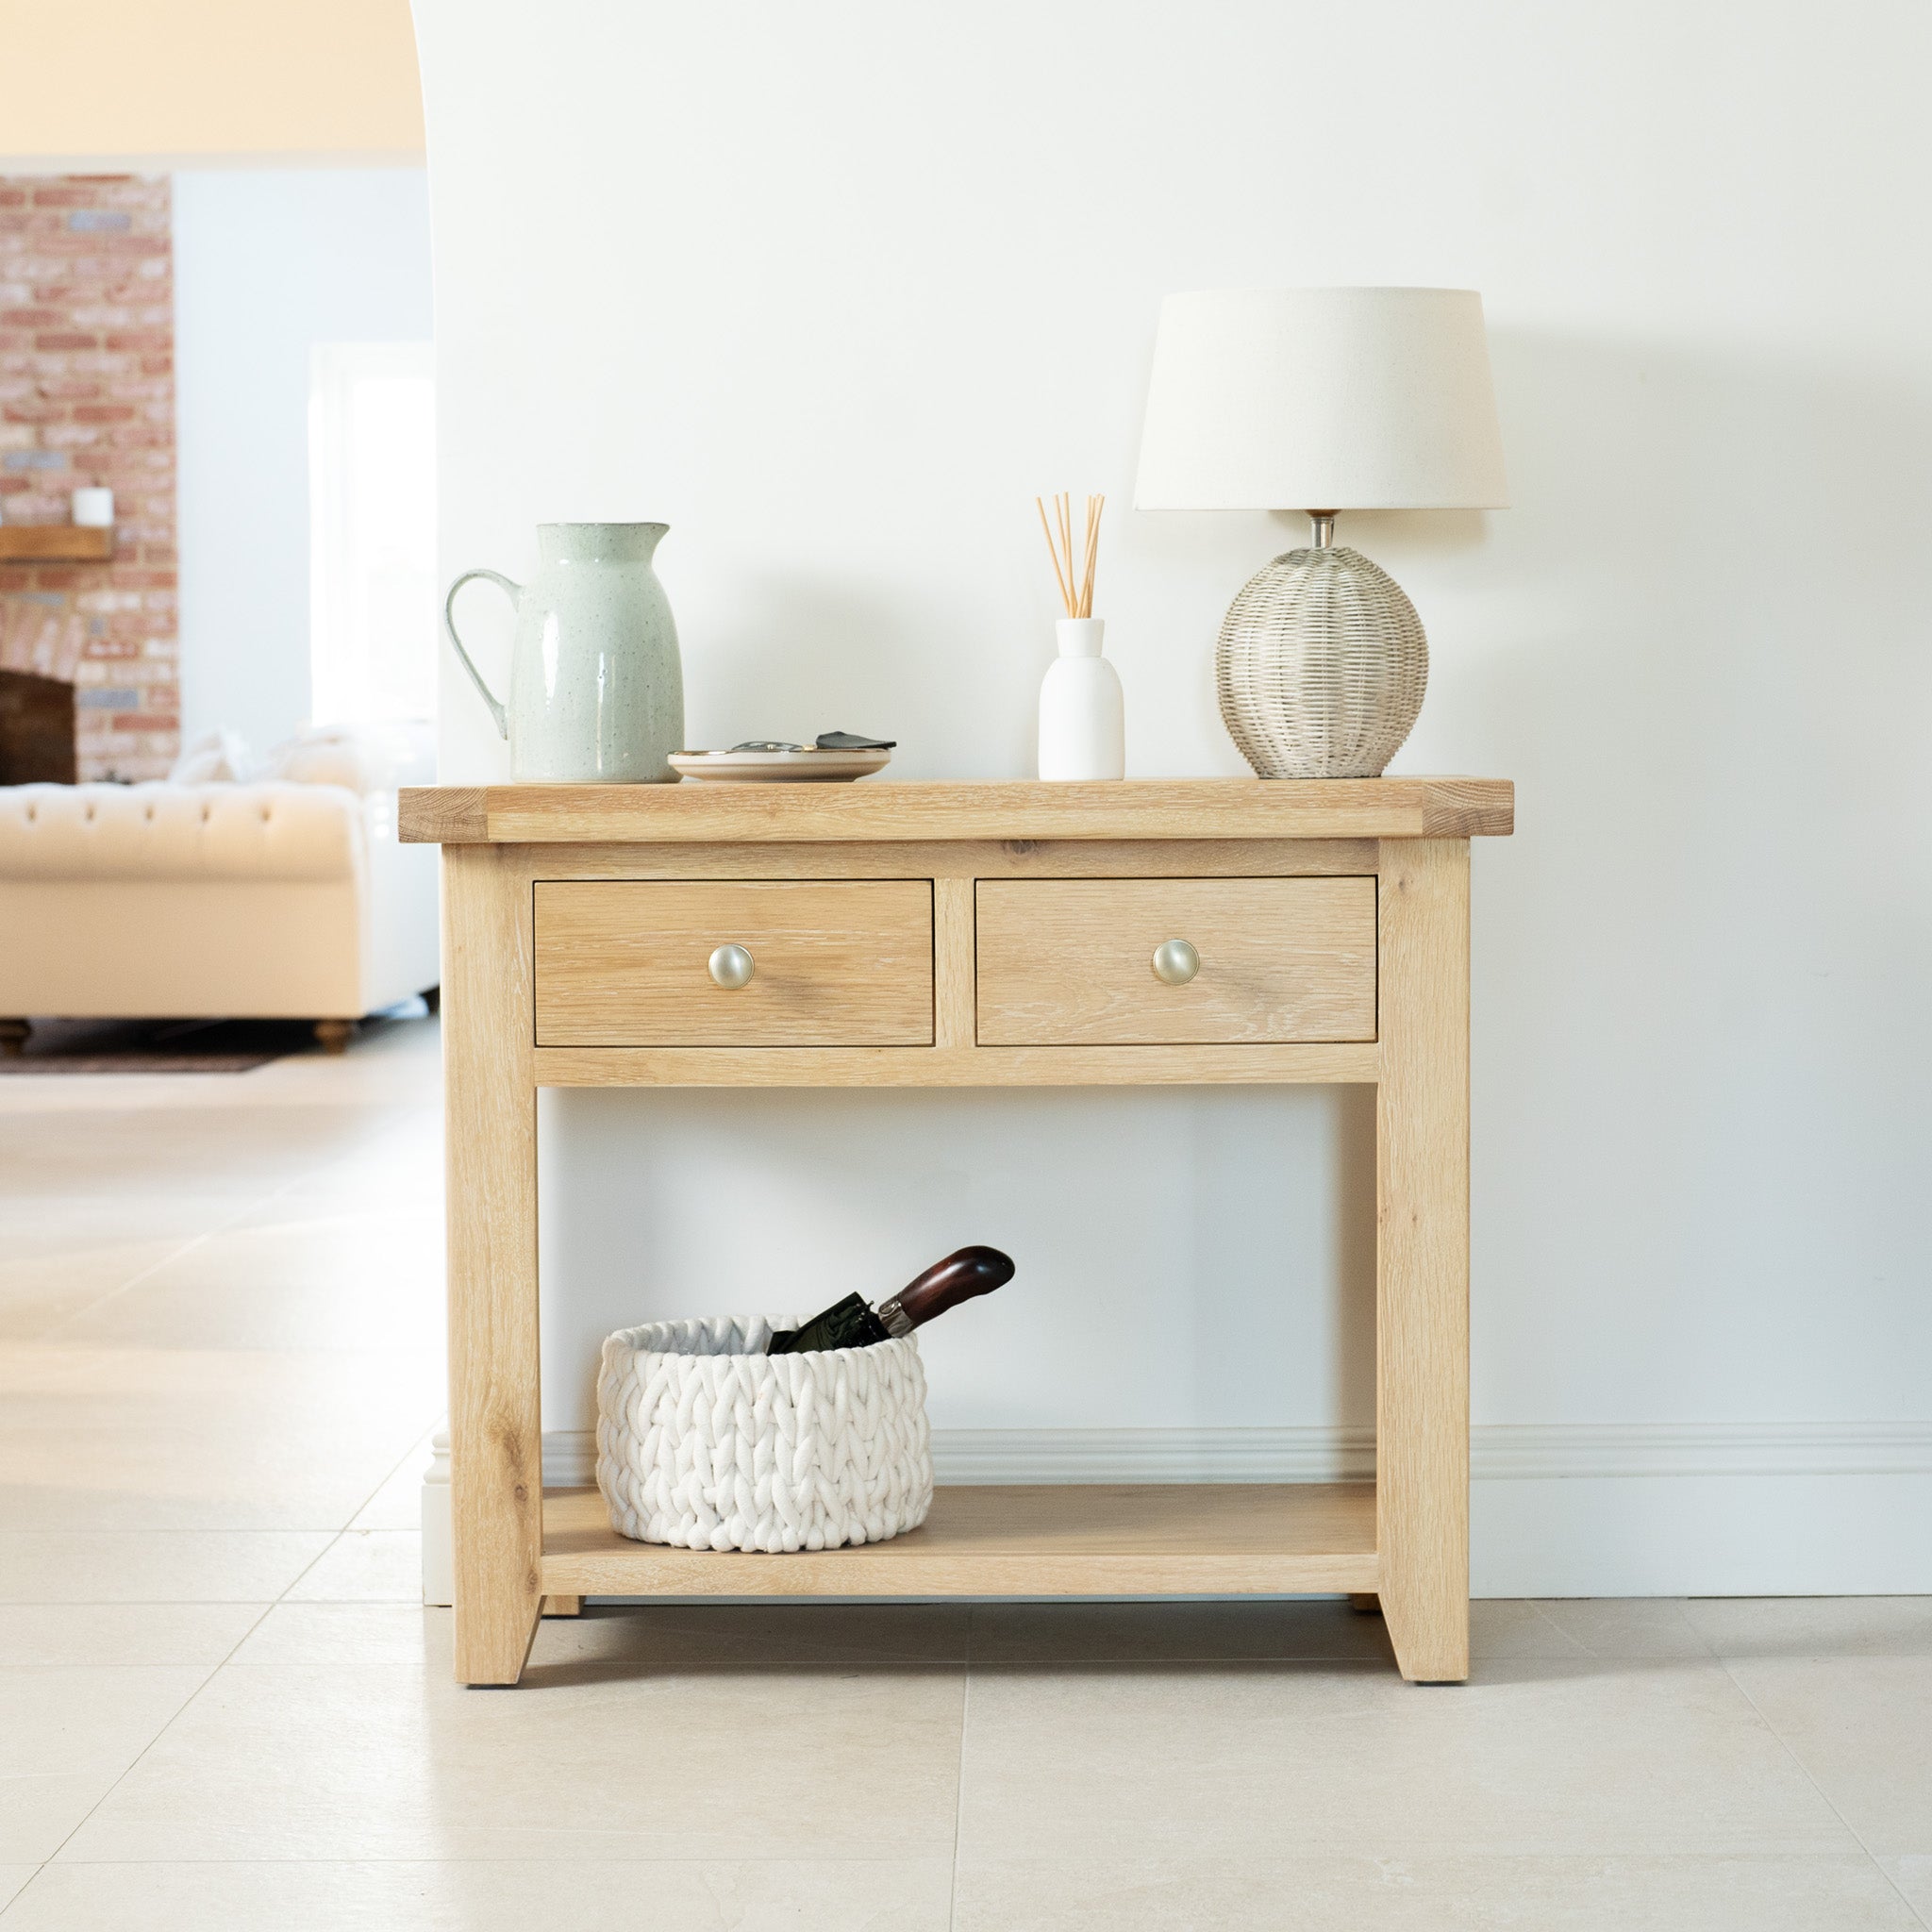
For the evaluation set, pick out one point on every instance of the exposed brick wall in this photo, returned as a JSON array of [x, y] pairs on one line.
[[86, 396]]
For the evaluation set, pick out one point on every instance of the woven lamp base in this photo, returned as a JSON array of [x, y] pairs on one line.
[[1322, 667]]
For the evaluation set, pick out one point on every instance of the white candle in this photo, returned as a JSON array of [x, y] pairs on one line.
[[94, 509]]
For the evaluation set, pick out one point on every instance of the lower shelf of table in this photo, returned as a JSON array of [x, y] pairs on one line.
[[1116, 1539]]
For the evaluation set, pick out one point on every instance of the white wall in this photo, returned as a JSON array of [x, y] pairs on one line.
[[269, 261], [834, 291]]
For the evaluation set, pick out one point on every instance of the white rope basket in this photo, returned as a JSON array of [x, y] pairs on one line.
[[1322, 667], [705, 1442]]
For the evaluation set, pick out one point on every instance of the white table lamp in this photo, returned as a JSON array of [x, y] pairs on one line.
[[1322, 400]]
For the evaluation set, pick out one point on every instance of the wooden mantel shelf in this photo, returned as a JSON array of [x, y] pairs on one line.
[[980, 808], [55, 543]]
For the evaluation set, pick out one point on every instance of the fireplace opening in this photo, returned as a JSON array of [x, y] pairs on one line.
[[35, 729]]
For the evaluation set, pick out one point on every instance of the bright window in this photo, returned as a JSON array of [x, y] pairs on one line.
[[372, 496]]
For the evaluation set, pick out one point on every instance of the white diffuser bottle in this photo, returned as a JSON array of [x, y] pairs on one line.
[[1082, 717]]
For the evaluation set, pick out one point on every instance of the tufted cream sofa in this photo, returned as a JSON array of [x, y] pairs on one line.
[[240, 901]]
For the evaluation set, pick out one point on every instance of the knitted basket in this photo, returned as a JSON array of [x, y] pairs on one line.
[[705, 1442]]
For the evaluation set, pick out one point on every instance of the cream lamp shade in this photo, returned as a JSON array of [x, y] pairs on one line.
[[1321, 399]]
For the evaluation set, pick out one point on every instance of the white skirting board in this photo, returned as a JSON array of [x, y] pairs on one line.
[[1556, 1509]]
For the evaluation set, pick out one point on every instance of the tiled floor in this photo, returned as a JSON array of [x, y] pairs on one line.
[[220, 1708]]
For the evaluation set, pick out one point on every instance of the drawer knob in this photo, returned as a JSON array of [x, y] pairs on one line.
[[732, 967], [1175, 962]]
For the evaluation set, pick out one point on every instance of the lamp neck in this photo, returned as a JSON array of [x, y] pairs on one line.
[[1323, 522]]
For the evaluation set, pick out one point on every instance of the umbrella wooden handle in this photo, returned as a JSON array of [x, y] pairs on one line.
[[946, 1284]]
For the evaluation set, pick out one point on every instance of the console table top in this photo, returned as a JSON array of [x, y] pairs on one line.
[[1005, 808]]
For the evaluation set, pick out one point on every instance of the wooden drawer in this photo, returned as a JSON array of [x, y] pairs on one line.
[[1070, 962], [622, 963]]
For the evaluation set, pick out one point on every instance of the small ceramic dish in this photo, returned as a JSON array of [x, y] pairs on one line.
[[810, 767]]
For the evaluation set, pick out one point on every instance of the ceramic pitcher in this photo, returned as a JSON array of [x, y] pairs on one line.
[[596, 692]]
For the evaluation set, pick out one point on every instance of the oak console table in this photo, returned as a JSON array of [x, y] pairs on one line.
[[968, 935]]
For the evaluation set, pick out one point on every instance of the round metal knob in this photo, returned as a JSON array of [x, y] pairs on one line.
[[732, 967], [1175, 962]]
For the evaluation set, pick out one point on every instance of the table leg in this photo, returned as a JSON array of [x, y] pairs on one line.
[[496, 1450], [1422, 1265]]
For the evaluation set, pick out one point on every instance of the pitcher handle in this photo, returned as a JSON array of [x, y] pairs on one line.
[[514, 591]]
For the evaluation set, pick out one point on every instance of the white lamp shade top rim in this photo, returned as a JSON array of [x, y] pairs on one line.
[[1321, 399]]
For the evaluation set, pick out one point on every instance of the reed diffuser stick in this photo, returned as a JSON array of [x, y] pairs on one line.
[[1075, 585], [1053, 550], [1094, 506]]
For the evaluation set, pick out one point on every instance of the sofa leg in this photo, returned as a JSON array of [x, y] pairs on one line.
[[334, 1035], [13, 1036], [432, 998]]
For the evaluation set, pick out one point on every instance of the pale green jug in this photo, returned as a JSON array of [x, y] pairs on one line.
[[597, 691]]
